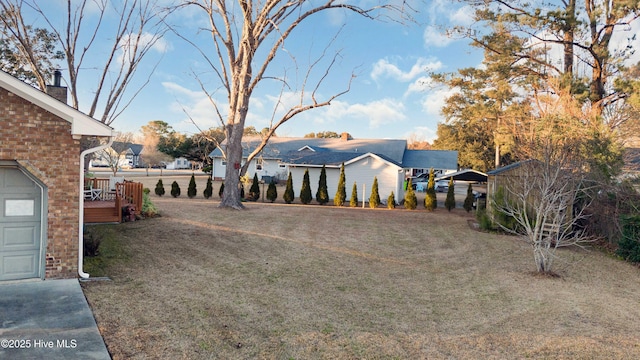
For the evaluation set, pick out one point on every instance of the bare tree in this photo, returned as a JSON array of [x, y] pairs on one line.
[[151, 156], [545, 201], [136, 33], [250, 33]]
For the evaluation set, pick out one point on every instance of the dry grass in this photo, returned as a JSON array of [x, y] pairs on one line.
[[310, 282]]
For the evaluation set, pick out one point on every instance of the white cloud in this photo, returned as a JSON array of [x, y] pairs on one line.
[[462, 16], [376, 113], [434, 101], [194, 107], [384, 69], [129, 44], [421, 84], [423, 132], [434, 37]]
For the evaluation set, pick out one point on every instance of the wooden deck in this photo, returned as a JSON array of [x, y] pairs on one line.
[[108, 208]]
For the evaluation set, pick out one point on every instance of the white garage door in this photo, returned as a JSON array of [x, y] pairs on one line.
[[20, 226]]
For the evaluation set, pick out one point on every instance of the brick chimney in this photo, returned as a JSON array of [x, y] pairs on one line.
[[56, 90], [345, 136]]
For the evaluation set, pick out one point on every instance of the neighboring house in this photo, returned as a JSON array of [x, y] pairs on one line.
[[363, 159], [179, 163], [41, 182], [417, 162], [631, 166], [127, 155]]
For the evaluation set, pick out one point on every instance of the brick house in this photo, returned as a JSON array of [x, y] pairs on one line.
[[40, 182]]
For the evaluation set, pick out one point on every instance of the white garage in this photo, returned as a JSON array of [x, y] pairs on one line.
[[21, 225]]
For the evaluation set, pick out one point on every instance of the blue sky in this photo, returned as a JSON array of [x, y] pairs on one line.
[[390, 95]]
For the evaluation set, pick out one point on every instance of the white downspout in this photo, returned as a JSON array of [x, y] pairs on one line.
[[83, 274]]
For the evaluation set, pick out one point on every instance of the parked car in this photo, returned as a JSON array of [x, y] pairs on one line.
[[442, 186]]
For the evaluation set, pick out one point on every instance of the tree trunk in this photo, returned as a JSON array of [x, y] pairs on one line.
[[231, 194]]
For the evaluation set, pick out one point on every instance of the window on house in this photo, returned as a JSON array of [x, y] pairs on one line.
[[224, 163], [282, 165], [259, 164]]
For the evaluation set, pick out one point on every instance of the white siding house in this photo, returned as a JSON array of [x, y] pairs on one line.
[[179, 163], [361, 169], [387, 159]]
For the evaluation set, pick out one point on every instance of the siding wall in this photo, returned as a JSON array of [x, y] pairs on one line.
[[362, 172]]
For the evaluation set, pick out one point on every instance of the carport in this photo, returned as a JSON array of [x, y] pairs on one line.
[[465, 175]]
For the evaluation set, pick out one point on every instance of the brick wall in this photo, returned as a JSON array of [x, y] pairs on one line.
[[42, 143]]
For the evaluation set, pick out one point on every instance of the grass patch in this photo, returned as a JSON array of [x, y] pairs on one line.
[[110, 251], [311, 282]]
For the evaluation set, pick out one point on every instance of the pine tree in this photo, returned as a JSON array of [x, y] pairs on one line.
[[221, 191], [374, 198], [430, 200], [272, 192], [159, 188], [254, 190], [288, 191], [410, 200], [468, 201], [354, 196], [450, 201], [305, 191], [391, 201], [191, 190], [175, 189], [341, 193], [208, 191], [322, 195]]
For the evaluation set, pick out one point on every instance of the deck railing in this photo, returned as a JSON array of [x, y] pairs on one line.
[[124, 193]]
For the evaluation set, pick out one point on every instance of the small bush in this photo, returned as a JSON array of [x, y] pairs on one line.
[[450, 201], [629, 244], [91, 242], [374, 198], [208, 190], [391, 201], [148, 208], [305, 191], [175, 189], [410, 200], [483, 220], [146, 191], [341, 193], [468, 201], [322, 195], [288, 191], [159, 188], [254, 190], [191, 191], [353, 202], [272, 192], [221, 191], [430, 200]]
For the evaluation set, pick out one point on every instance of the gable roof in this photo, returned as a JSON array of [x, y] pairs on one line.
[[284, 147], [425, 159], [333, 158], [81, 124]]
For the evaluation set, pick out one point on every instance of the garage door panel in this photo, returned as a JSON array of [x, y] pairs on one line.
[[25, 236], [20, 226], [16, 180], [19, 265]]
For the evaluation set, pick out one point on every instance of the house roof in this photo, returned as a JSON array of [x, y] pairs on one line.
[[332, 158], [509, 167], [81, 124], [466, 175], [425, 159], [283, 147]]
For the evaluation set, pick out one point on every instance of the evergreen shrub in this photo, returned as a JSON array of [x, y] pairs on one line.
[[175, 189], [159, 188]]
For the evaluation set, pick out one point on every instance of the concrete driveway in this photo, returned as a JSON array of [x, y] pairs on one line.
[[48, 320]]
